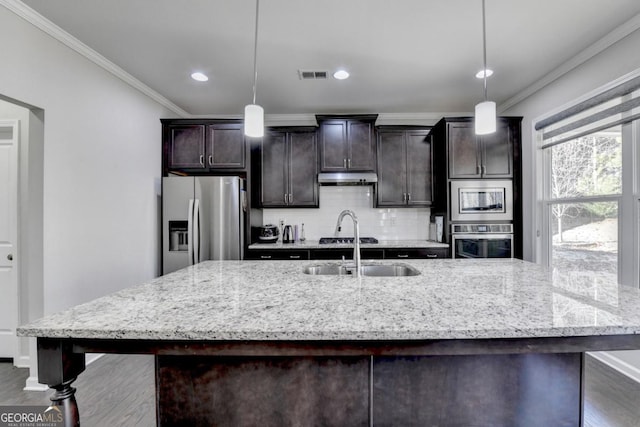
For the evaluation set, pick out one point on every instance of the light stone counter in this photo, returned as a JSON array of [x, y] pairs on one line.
[[258, 300], [382, 244]]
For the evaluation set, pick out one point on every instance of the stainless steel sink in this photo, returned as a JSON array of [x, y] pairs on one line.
[[333, 269], [379, 270], [389, 270]]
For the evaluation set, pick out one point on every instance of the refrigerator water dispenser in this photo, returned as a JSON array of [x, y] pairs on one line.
[[178, 235]]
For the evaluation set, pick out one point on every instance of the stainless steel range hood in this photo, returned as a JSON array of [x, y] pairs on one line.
[[347, 178]]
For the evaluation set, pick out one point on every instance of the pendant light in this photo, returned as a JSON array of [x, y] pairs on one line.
[[486, 110], [253, 113]]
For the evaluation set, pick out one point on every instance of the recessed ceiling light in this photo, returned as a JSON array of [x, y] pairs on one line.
[[480, 74], [341, 75], [199, 77]]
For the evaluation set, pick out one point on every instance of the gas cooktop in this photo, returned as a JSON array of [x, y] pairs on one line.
[[334, 240]]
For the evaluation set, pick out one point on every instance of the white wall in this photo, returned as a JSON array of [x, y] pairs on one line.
[[616, 61], [101, 166]]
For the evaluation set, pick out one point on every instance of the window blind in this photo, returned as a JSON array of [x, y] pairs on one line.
[[610, 108]]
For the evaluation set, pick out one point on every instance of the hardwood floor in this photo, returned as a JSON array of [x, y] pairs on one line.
[[612, 399], [118, 390]]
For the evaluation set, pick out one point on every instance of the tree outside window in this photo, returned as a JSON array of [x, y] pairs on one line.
[[586, 182]]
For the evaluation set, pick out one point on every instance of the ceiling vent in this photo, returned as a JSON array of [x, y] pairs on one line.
[[312, 75]]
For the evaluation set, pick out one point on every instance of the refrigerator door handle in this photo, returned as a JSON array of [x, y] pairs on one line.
[[196, 231], [190, 232]]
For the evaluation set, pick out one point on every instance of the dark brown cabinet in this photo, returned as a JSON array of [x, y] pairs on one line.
[[416, 253], [404, 167], [289, 168], [186, 146], [347, 143], [277, 254], [226, 146], [347, 253], [203, 147], [488, 156]]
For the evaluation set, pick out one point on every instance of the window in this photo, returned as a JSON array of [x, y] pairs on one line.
[[586, 184], [590, 200]]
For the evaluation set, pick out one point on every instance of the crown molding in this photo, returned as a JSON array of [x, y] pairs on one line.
[[290, 120], [428, 119], [216, 116], [39, 21], [605, 42]]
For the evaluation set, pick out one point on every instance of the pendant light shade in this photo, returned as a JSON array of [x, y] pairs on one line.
[[486, 110], [485, 118], [253, 113], [254, 121]]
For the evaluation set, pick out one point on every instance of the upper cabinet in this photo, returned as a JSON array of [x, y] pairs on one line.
[[226, 148], [289, 168], [487, 156], [404, 166], [347, 143], [203, 146]]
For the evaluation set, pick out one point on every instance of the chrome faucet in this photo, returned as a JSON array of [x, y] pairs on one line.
[[356, 236]]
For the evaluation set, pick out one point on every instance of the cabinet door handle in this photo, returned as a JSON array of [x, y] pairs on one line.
[[344, 163], [210, 159], [403, 256], [265, 256], [285, 198], [202, 160], [290, 198], [348, 163], [294, 256], [478, 170], [408, 197], [404, 197], [484, 170], [432, 255]]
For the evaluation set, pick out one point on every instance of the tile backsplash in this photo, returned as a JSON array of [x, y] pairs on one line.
[[381, 223]]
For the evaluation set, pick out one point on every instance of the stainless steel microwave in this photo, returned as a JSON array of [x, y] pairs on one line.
[[481, 200]]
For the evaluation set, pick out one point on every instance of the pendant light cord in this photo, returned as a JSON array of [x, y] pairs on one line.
[[484, 49], [255, 54]]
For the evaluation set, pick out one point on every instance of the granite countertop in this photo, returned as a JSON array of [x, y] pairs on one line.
[[274, 300], [382, 244]]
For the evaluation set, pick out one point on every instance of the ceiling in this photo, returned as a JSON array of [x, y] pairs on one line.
[[404, 56]]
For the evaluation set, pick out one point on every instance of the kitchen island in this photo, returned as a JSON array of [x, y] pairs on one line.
[[466, 342]]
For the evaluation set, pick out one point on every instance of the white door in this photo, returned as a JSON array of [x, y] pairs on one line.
[[8, 238]]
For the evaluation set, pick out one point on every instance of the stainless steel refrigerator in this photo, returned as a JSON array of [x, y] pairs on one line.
[[203, 218]]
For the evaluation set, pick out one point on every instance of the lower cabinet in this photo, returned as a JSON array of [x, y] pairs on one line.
[[347, 253], [416, 253], [278, 254]]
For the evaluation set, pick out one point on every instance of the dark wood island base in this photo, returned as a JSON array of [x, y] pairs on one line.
[[497, 382]]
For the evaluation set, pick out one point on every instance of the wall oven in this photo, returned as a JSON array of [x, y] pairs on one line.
[[486, 200], [482, 240]]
